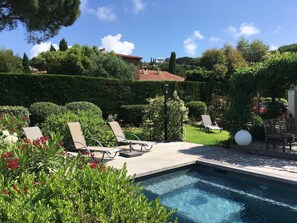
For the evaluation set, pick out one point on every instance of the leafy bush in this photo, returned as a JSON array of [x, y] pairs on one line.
[[257, 129], [40, 110], [13, 124], [61, 89], [154, 118], [93, 127], [33, 157], [82, 106], [132, 114], [78, 193], [196, 109], [14, 110]]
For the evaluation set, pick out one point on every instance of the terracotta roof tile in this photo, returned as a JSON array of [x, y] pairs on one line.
[[153, 75]]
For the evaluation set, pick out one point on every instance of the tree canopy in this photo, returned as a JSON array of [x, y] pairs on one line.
[[42, 18]]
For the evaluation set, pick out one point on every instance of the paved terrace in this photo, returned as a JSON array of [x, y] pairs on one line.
[[165, 156]]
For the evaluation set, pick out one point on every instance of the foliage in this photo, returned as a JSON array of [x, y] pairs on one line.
[[154, 118], [63, 46], [40, 110], [197, 135], [288, 48], [172, 63], [83, 60], [93, 127], [14, 110], [257, 129], [76, 106], [132, 114], [9, 62], [26, 65], [253, 52], [61, 89], [271, 78], [234, 59], [214, 60], [78, 193], [42, 19], [41, 155], [196, 109], [52, 48], [13, 124]]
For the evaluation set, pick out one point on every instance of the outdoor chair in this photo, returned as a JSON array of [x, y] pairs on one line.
[[208, 125], [32, 133], [122, 140], [81, 146]]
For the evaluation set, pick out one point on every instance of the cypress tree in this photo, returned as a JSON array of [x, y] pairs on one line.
[[63, 46], [172, 62], [52, 48], [26, 66]]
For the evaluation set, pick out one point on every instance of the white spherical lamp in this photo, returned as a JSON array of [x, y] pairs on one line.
[[243, 138]]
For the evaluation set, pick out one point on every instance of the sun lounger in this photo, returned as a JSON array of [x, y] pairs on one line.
[[208, 125], [32, 133], [80, 142]]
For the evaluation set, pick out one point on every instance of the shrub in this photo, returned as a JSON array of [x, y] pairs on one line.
[[257, 129], [40, 110], [33, 157], [154, 118], [132, 114], [14, 110], [83, 106], [196, 109], [78, 193], [93, 127], [13, 124]]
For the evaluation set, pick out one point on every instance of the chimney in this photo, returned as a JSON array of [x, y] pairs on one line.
[[144, 70], [159, 71]]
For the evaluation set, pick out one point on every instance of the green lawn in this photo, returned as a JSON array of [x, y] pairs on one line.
[[195, 135]]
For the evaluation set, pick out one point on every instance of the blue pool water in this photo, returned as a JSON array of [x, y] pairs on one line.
[[209, 195]]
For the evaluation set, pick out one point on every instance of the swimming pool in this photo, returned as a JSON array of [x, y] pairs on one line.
[[207, 194]]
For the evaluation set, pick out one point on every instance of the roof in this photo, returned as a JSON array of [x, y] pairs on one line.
[[154, 75], [129, 56]]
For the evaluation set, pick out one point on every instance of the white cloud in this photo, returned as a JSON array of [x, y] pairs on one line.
[[106, 14], [84, 7], [190, 47], [42, 47], [190, 44], [214, 39], [278, 29], [273, 47], [113, 43], [246, 29], [138, 6]]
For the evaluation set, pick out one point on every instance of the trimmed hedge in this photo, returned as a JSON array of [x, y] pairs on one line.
[[76, 106], [132, 114], [108, 94], [40, 110], [14, 110], [196, 109]]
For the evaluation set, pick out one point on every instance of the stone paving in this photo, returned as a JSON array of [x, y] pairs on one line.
[[165, 156]]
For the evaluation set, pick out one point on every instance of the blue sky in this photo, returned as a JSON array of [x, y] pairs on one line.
[[155, 28]]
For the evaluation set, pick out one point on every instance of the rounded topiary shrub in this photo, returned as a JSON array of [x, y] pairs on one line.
[[14, 110], [196, 109], [83, 106], [40, 110]]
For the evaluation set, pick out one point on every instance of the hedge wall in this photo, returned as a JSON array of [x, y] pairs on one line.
[[108, 94]]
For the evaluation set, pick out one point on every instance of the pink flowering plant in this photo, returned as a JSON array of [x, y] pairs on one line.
[[41, 155], [13, 124]]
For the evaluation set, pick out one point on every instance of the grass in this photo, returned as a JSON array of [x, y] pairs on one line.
[[195, 135]]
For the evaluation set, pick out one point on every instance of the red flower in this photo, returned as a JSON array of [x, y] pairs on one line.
[[102, 168], [12, 164], [43, 139], [8, 154], [93, 165], [27, 141], [36, 142]]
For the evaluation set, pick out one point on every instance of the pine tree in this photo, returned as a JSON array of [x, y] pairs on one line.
[[52, 48], [26, 66], [63, 46], [172, 63]]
